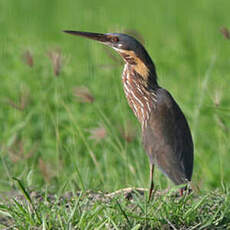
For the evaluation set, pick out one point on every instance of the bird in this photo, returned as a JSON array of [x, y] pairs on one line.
[[166, 135]]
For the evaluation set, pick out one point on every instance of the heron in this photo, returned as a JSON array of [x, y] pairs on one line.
[[166, 135]]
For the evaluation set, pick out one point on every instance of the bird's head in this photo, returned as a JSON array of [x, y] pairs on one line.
[[120, 42], [131, 50]]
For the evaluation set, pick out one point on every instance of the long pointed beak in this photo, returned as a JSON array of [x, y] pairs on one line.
[[94, 36]]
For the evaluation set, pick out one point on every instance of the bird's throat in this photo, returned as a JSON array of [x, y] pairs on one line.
[[140, 98], [137, 64]]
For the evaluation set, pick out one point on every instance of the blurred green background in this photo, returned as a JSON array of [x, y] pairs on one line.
[[64, 120]]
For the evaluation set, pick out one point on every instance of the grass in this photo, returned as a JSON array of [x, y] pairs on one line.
[[57, 136], [97, 210]]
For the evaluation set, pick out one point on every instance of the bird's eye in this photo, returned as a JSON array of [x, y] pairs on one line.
[[114, 39]]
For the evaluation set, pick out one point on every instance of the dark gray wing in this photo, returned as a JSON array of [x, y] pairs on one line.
[[167, 139]]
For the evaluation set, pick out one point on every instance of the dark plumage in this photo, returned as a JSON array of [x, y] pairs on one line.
[[165, 132], [167, 139]]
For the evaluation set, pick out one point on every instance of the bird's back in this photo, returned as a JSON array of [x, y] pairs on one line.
[[167, 139]]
